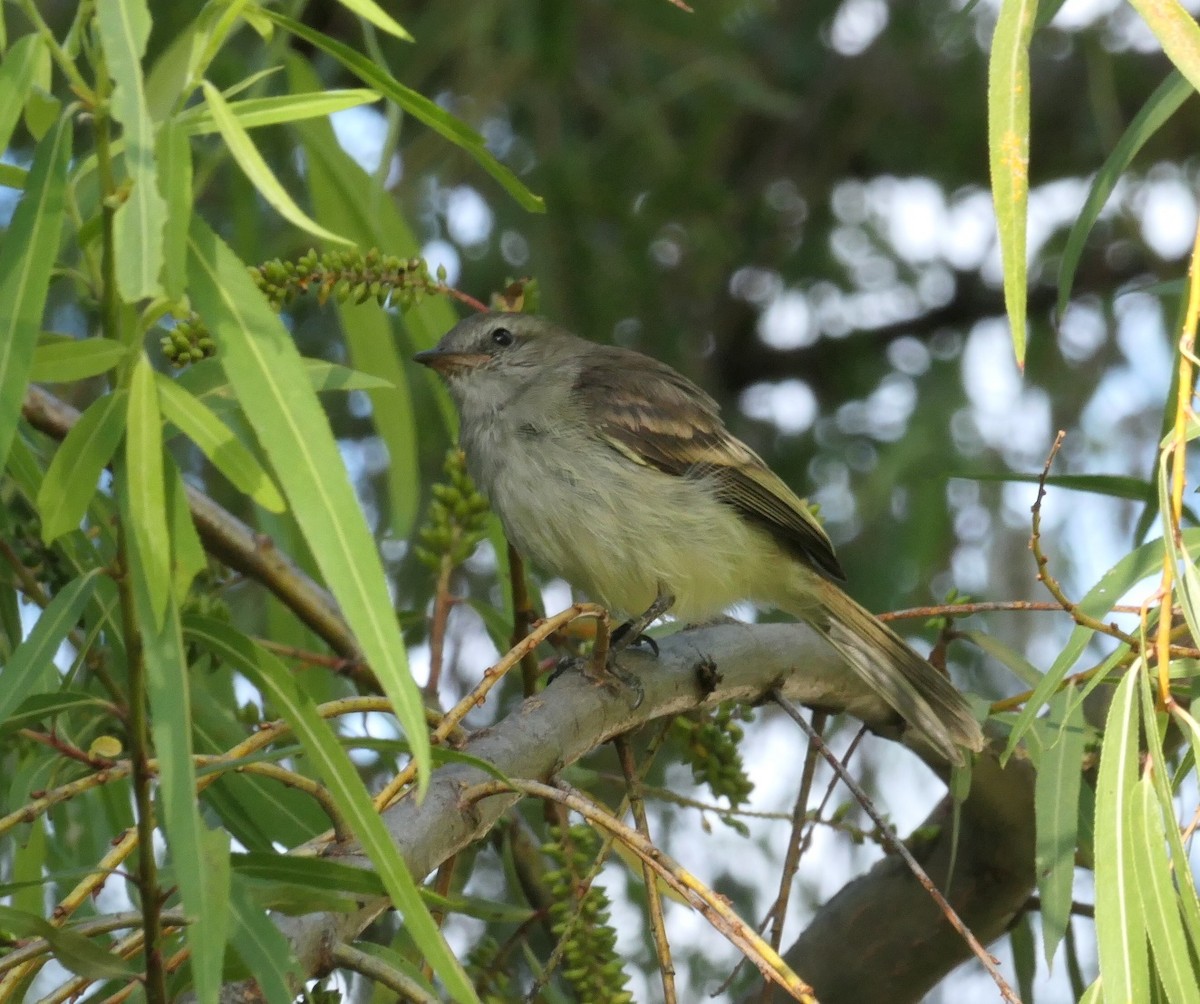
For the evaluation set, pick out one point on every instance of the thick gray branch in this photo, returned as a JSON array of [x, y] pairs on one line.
[[573, 716]]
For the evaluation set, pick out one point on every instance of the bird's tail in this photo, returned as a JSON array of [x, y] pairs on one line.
[[921, 695]]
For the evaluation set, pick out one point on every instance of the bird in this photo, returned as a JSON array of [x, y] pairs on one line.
[[612, 470]]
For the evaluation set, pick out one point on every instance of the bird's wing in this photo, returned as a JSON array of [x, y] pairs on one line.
[[657, 417]]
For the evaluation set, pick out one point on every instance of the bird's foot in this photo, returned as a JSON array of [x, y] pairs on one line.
[[611, 675], [632, 632]]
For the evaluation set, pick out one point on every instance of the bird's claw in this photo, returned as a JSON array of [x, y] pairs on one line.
[[623, 638], [611, 675]]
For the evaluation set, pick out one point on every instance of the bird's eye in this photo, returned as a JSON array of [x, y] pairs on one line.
[[502, 337]]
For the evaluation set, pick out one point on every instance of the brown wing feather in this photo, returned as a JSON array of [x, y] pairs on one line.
[[655, 416]]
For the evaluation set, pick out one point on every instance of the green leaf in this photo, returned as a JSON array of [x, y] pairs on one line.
[[1020, 938], [203, 889], [1185, 883], [265, 369], [317, 873], [175, 178], [261, 176], [1008, 152], [42, 707], [417, 105], [79, 954], [1116, 486], [1160, 106], [368, 10], [1120, 923], [74, 473], [217, 442], [206, 379], [1177, 33], [146, 485], [1160, 905], [338, 185], [27, 256], [72, 359], [33, 659], [124, 27], [190, 557], [262, 948], [255, 112], [16, 78], [12, 176], [345, 787], [1016, 663], [1056, 808]]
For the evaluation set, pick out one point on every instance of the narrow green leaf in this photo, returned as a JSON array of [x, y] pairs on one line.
[[417, 105], [1185, 882], [33, 659], [1116, 486], [261, 176], [124, 27], [74, 473], [1159, 902], [1020, 938], [316, 873], [43, 707], [190, 557], [146, 487], [16, 78], [29, 868], [262, 948], [343, 191], [12, 176], [201, 889], [265, 369], [1120, 923], [79, 954], [75, 359], [206, 380], [1160, 106], [217, 442], [368, 10], [1008, 152], [1177, 33], [27, 255], [175, 178], [255, 112], [1021, 668], [345, 787], [208, 939], [1056, 808]]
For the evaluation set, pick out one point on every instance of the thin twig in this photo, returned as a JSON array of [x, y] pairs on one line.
[[443, 602], [791, 858], [984, 607], [1043, 572], [523, 615], [715, 909], [658, 925], [568, 931], [491, 676], [376, 969], [897, 846]]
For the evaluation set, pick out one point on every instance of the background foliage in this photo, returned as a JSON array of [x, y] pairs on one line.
[[796, 205]]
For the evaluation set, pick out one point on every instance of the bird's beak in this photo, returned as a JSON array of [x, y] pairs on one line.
[[448, 363]]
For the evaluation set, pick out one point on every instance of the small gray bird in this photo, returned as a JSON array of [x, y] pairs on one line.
[[615, 472]]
